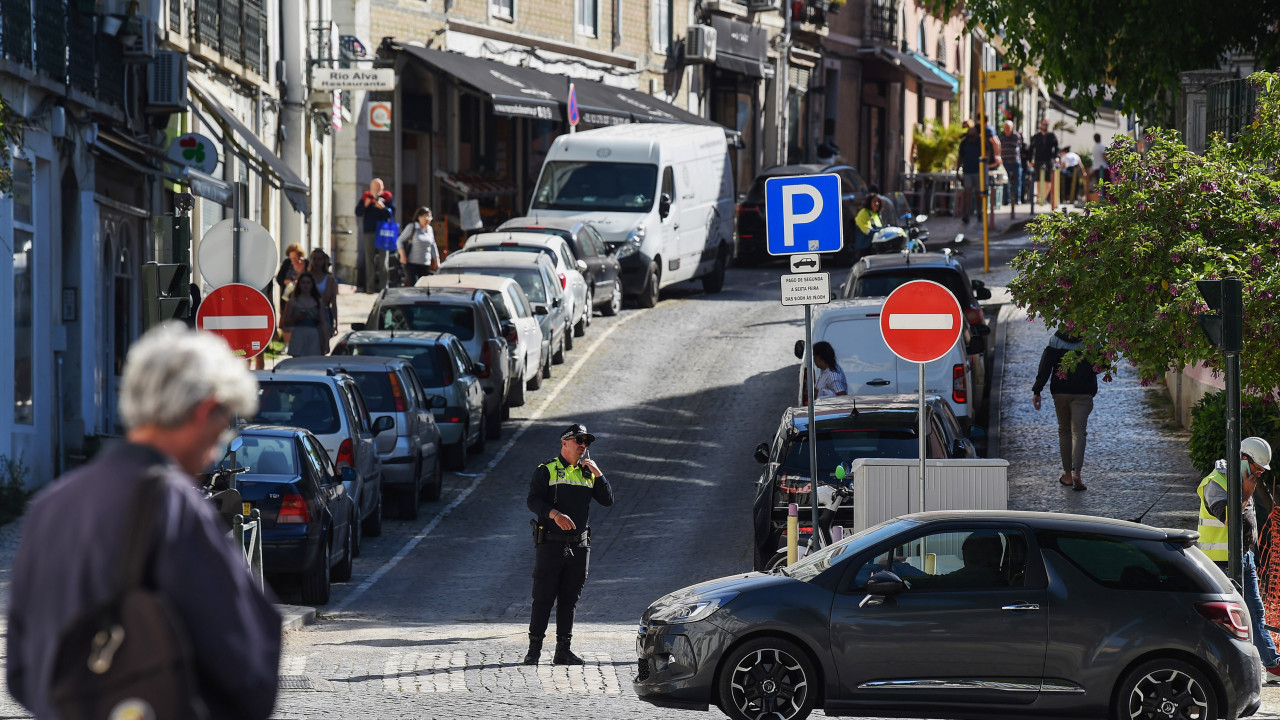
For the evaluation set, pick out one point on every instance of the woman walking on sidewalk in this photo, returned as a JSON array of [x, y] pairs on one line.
[[1073, 393]]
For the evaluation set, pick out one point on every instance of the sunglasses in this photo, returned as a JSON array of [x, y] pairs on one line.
[[580, 441]]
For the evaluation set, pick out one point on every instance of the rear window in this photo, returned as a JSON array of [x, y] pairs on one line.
[[513, 248], [306, 405], [499, 304], [844, 445], [376, 387], [880, 284], [755, 196], [529, 278], [425, 360], [428, 317], [1126, 564], [266, 456], [540, 231]]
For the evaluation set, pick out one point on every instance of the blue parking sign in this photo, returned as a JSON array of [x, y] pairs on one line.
[[803, 214]]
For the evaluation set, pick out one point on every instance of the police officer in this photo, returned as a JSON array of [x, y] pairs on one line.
[[560, 494]]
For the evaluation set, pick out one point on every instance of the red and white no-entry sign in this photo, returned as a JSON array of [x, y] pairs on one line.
[[920, 321], [242, 315]]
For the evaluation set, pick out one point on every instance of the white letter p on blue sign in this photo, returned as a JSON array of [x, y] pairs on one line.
[[803, 214]]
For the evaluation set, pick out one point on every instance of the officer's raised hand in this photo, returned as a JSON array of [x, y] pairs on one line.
[[590, 466], [564, 522]]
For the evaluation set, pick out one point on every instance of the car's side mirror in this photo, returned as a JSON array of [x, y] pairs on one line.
[[980, 330], [982, 293], [439, 401], [581, 265], [664, 206], [383, 424], [540, 310], [921, 219], [959, 238], [555, 302], [800, 349], [975, 346], [508, 328], [359, 326], [348, 474], [762, 453], [881, 586], [958, 449], [479, 369]]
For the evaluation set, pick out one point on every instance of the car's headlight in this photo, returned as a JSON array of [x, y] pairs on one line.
[[691, 609], [632, 244]]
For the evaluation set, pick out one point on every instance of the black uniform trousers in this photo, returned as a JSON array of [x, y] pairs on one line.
[[558, 578]]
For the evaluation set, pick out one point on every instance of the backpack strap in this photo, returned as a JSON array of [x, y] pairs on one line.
[[136, 543]]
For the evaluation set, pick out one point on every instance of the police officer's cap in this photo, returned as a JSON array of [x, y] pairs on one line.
[[578, 430]]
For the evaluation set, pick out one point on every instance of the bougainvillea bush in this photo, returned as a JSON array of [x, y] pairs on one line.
[[1122, 274]]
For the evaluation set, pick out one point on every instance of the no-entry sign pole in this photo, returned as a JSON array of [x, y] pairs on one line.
[[921, 322]]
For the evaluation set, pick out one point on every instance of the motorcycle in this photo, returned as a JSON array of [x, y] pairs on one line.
[[831, 496], [917, 233], [219, 486]]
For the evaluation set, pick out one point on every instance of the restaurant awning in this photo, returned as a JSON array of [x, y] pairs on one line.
[[516, 91], [742, 47], [292, 185], [935, 82]]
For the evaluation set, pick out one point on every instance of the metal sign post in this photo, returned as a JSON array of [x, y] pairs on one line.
[[235, 232], [812, 382]]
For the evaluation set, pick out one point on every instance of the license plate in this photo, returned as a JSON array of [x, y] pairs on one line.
[[246, 508]]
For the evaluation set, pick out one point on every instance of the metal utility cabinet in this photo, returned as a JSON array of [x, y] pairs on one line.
[[885, 488]]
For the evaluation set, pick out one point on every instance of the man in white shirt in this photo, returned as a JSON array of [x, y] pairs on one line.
[[1099, 158], [1069, 162]]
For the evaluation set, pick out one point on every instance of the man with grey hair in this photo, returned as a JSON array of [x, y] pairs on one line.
[[180, 394], [375, 207]]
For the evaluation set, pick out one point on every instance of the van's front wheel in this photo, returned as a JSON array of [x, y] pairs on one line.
[[713, 282], [649, 297]]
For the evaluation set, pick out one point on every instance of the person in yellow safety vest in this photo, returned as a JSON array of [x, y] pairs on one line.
[[560, 494], [1255, 458]]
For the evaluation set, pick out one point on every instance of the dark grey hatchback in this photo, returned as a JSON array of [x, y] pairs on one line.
[[964, 615]]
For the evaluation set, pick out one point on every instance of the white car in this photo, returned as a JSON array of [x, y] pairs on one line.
[[529, 351], [568, 269], [870, 367]]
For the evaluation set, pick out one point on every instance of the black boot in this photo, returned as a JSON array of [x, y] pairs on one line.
[[563, 655], [535, 650]]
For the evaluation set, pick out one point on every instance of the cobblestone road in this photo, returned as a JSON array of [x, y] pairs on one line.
[[432, 624]]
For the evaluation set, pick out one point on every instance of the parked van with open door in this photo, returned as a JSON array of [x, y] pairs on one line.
[[662, 194]]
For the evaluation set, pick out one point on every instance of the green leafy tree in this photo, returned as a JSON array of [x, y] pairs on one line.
[[1122, 274], [1137, 47], [10, 134]]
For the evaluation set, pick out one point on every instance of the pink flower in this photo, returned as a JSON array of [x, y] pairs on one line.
[[1106, 378]]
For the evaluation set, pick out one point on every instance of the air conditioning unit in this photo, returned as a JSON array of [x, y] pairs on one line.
[[167, 83], [138, 37], [700, 44]]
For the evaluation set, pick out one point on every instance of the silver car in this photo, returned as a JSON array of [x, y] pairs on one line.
[[445, 371], [332, 408], [410, 452]]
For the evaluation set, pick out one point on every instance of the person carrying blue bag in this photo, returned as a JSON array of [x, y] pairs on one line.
[[378, 234]]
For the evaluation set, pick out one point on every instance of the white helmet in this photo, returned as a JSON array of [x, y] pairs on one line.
[[1258, 450]]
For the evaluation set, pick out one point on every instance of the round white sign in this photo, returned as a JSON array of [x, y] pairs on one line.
[[194, 151], [259, 256]]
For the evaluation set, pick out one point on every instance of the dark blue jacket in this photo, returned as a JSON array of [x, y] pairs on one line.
[[71, 534], [373, 217]]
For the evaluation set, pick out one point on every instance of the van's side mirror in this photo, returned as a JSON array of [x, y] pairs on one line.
[[359, 326], [762, 453], [664, 206], [800, 349], [383, 424], [540, 310]]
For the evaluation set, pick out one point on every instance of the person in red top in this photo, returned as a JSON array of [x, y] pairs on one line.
[[376, 206]]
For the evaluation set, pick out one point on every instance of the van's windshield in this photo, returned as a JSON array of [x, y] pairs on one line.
[[607, 186]]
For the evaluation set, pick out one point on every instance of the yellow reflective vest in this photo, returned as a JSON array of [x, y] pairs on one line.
[[1213, 532]]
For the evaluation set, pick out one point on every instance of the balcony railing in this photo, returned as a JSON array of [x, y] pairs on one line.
[[234, 28], [1231, 107], [15, 30], [884, 21], [63, 43]]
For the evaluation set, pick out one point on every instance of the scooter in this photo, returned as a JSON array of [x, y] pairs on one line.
[[219, 486], [831, 496], [917, 233]]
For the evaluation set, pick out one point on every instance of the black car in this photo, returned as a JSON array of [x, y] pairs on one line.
[[602, 272], [849, 427], [751, 215], [973, 614], [308, 518]]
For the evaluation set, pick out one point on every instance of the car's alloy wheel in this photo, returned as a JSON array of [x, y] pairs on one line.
[[431, 491], [315, 583], [1166, 689], [615, 300], [515, 398], [767, 678], [373, 523], [342, 571], [569, 334], [558, 357]]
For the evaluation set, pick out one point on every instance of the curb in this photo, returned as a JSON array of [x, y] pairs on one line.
[[295, 617], [997, 380]]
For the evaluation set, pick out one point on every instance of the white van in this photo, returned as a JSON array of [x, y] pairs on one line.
[[870, 367], [661, 193]]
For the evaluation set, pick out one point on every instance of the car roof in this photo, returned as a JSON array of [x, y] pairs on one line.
[[801, 169], [466, 280], [890, 261], [895, 410], [292, 375], [1053, 521], [461, 295], [493, 259], [512, 236], [265, 430], [554, 223], [397, 337], [340, 361]]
